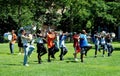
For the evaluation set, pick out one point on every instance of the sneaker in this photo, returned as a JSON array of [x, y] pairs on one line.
[[76, 59], [26, 65]]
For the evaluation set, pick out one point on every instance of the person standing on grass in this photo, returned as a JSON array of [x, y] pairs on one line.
[[50, 43], [20, 44], [26, 46], [84, 45], [97, 43], [103, 45], [109, 44], [12, 42], [62, 45], [76, 45], [41, 49]]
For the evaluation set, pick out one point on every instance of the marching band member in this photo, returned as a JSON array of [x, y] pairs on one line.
[[84, 45], [50, 43], [97, 42], [63, 48], [12, 42], [26, 46], [109, 45], [76, 45], [20, 44], [41, 49]]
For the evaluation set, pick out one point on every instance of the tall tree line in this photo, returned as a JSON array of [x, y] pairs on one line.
[[69, 15]]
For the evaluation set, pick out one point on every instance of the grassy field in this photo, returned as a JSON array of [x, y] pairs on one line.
[[12, 65]]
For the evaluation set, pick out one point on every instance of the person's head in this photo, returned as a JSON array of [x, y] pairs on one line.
[[39, 31], [83, 32], [13, 31], [95, 32], [23, 32], [50, 31]]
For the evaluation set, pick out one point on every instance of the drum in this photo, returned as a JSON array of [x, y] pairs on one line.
[[112, 35], [7, 36]]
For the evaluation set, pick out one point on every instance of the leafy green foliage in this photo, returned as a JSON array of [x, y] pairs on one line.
[[72, 15]]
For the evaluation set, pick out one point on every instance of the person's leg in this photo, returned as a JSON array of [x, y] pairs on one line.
[[82, 53], [112, 49], [39, 52], [65, 51], [61, 54], [25, 55], [39, 58], [103, 50], [11, 48], [31, 48], [96, 48], [75, 53], [52, 52], [43, 51], [109, 49], [49, 55], [87, 48]]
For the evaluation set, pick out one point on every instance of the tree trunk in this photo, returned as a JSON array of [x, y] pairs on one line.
[[19, 14]]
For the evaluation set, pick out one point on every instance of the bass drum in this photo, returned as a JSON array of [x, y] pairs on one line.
[[7, 36]]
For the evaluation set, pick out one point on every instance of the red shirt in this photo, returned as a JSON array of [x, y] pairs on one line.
[[50, 39], [76, 43]]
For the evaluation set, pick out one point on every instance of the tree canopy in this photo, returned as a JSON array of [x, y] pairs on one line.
[[69, 15]]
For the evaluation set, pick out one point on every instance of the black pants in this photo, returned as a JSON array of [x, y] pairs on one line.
[[41, 50], [63, 52], [84, 50]]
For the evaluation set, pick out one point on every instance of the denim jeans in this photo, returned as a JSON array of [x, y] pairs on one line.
[[27, 52], [97, 48], [11, 48], [110, 48], [104, 46]]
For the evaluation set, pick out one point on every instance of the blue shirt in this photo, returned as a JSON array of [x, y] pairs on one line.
[[83, 40], [62, 41]]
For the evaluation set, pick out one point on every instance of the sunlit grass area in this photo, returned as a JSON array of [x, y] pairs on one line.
[[12, 65]]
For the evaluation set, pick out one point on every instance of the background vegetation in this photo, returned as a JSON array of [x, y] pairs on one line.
[[68, 15]]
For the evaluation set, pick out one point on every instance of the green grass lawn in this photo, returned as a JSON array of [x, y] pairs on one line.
[[12, 65]]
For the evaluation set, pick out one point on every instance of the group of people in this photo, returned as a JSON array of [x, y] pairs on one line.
[[103, 40], [56, 41]]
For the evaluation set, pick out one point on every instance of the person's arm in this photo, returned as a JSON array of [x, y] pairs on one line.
[[26, 37]]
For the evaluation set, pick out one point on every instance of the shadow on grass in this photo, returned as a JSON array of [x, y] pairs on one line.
[[117, 49], [13, 64], [68, 60]]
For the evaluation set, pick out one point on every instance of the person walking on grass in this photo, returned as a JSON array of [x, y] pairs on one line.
[[12, 42], [76, 45], [62, 45], [20, 44], [84, 45], [26, 46], [109, 44], [50, 43], [97, 43], [41, 49]]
